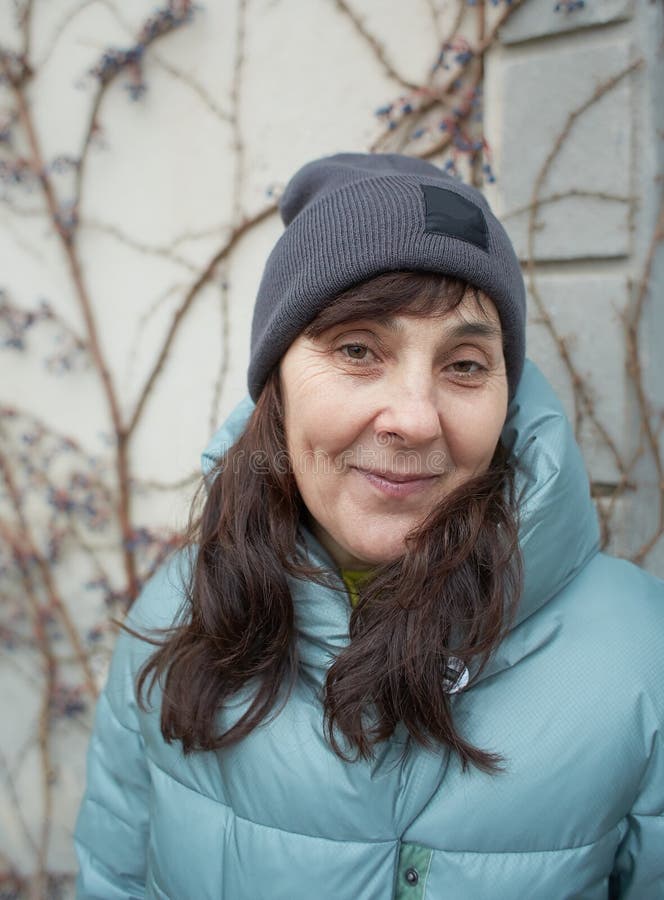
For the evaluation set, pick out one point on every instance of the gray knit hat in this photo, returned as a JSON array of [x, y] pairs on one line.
[[352, 216]]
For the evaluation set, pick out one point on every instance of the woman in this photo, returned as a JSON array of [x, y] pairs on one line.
[[394, 663]]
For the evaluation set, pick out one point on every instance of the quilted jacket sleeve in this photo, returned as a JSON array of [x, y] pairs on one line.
[[639, 864], [112, 828]]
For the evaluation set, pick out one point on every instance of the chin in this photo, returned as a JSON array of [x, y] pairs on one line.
[[378, 552]]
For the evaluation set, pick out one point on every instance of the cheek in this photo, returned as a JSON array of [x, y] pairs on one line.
[[322, 421], [472, 434]]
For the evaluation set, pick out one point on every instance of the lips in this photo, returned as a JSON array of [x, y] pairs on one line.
[[397, 485], [397, 477]]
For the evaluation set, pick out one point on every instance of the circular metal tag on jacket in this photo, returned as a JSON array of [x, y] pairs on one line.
[[456, 676]]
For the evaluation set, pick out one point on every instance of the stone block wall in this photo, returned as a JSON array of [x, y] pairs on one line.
[[593, 165]]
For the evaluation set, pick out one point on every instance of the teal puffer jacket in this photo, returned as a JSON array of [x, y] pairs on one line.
[[573, 699]]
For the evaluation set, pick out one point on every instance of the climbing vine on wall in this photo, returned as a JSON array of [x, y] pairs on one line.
[[62, 501]]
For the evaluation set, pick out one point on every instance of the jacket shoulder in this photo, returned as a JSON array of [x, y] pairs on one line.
[[623, 587], [161, 604], [616, 614]]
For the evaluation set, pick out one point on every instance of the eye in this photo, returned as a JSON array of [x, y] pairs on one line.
[[357, 353], [468, 368]]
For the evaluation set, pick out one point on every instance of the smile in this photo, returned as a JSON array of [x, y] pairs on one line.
[[397, 485]]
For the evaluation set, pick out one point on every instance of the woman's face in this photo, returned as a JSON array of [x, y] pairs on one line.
[[385, 417]]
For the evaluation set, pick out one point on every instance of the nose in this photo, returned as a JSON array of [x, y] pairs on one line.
[[409, 411]]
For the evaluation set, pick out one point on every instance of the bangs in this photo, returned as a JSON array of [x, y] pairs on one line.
[[394, 293]]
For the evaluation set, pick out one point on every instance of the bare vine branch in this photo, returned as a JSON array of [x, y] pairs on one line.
[[376, 47], [633, 364], [581, 390]]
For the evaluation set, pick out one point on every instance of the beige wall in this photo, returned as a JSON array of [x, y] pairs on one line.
[[236, 100]]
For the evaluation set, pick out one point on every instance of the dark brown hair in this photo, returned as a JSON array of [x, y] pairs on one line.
[[452, 593]]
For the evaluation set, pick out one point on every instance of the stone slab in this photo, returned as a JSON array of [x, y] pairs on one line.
[[583, 308], [586, 212], [539, 18], [621, 524]]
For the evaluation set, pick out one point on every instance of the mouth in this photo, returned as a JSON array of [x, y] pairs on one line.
[[397, 477], [397, 484]]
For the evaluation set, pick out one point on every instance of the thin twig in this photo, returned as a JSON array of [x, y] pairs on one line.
[[16, 804], [92, 341], [55, 601], [435, 13], [103, 87], [44, 728], [187, 79], [476, 158], [146, 484], [140, 246], [581, 391], [186, 304], [375, 45], [635, 372], [235, 92], [25, 24], [564, 195], [224, 356], [60, 29], [429, 96]]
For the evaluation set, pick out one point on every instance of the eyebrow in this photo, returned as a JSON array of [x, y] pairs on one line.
[[476, 329], [463, 329]]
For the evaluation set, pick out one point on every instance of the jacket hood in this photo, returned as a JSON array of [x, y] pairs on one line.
[[558, 533]]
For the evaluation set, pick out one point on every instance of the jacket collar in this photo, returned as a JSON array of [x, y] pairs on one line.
[[558, 532]]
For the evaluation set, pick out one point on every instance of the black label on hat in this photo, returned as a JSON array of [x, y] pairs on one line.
[[449, 213]]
